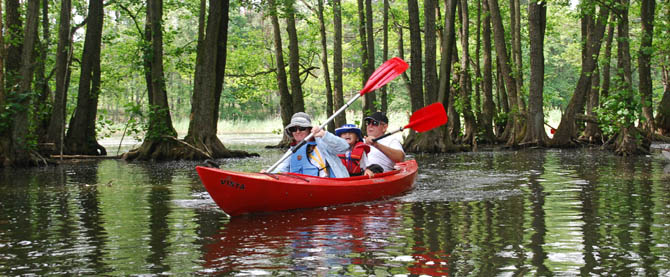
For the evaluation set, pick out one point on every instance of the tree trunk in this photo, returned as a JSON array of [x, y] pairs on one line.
[[443, 91], [537, 22], [207, 90], [365, 73], [369, 98], [592, 132], [604, 92], [488, 109], [324, 64], [629, 141], [155, 145], [465, 84], [663, 114], [647, 11], [416, 74], [14, 37], [81, 134], [42, 110], [430, 66], [56, 127], [506, 71], [286, 102], [337, 62], [566, 132], [516, 53], [385, 51], [294, 59], [20, 149]]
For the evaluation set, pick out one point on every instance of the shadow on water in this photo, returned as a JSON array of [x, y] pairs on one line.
[[529, 212]]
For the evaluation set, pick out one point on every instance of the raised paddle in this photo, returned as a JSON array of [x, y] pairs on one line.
[[424, 119], [382, 75]]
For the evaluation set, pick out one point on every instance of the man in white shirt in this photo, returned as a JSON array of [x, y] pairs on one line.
[[385, 152]]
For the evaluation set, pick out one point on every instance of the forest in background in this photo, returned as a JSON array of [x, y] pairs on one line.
[[142, 65]]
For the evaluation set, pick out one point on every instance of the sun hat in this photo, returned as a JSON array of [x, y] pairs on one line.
[[349, 128], [378, 116], [299, 119]]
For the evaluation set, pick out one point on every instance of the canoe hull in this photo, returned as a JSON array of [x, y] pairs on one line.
[[242, 192]]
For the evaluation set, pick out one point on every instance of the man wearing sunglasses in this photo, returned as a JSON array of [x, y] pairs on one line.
[[318, 157], [385, 152]]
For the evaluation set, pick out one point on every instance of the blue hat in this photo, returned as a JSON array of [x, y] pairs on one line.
[[349, 128]]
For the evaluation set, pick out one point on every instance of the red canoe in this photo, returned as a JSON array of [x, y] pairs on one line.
[[241, 192]]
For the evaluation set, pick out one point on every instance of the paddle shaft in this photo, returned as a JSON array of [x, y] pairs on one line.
[[306, 139], [388, 134]]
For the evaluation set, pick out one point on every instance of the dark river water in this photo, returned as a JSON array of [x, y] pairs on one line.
[[486, 213]]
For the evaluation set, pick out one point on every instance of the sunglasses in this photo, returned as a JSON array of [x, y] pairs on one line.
[[372, 122], [294, 129]]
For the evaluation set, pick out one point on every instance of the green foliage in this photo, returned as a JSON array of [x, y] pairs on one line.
[[619, 110]]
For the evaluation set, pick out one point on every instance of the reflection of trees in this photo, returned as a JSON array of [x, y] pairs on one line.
[[158, 200], [91, 216]]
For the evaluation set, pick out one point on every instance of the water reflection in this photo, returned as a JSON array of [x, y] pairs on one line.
[[529, 212], [342, 240]]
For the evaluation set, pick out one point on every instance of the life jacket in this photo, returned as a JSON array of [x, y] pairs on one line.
[[352, 159], [300, 163]]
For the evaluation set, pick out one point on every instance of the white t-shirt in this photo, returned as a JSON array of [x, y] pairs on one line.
[[376, 156]]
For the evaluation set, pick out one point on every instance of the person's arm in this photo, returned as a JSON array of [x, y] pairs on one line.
[[396, 155], [331, 143]]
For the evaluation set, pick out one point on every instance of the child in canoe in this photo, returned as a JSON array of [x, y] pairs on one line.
[[355, 159]]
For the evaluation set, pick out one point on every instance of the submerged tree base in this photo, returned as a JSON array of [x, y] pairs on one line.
[[170, 148], [631, 141]]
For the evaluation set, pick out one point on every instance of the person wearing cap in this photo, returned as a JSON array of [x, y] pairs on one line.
[[318, 157], [385, 152], [356, 158]]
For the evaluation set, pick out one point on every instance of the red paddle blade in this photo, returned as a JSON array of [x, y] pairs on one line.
[[384, 74], [427, 118]]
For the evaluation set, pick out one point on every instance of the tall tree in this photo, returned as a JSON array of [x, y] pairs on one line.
[[293, 58], [337, 61], [19, 151], [567, 129], [385, 52], [362, 34], [416, 64], [628, 140], [369, 98], [465, 84], [81, 134], [537, 22], [160, 139], [513, 128], [647, 11], [56, 129], [207, 88], [286, 102], [324, 65], [515, 19], [662, 120], [14, 43], [443, 91], [488, 109], [430, 80]]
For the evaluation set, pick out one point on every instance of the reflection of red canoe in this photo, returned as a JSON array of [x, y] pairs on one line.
[[238, 192]]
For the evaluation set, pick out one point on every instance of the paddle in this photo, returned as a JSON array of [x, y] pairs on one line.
[[424, 119], [382, 75]]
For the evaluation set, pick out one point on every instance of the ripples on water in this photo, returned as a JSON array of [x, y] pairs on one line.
[[539, 212]]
